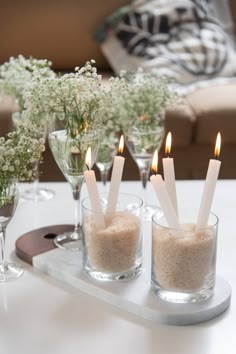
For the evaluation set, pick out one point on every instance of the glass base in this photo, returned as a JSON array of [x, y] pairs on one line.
[[10, 272], [179, 297], [149, 210], [127, 275], [69, 241], [38, 195]]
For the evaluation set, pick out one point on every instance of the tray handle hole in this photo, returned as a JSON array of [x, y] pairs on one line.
[[50, 236]]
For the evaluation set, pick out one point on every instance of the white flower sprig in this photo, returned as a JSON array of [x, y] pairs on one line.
[[77, 95], [146, 99], [110, 116], [18, 73], [18, 152]]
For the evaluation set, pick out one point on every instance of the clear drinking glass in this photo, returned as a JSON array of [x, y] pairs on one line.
[[183, 261], [8, 203], [142, 142], [113, 252], [69, 153], [34, 193]]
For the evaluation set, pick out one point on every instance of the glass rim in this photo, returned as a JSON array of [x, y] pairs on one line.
[[110, 213], [144, 131], [173, 229], [85, 136]]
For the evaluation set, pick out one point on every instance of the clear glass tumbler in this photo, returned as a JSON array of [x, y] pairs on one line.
[[113, 252], [183, 261]]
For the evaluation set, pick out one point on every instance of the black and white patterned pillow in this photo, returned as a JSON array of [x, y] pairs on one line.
[[177, 38]]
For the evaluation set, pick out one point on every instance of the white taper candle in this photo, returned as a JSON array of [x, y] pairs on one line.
[[169, 174], [165, 202], [209, 188], [116, 177], [93, 193], [163, 197]]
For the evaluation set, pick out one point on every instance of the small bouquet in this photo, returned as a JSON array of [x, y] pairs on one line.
[[75, 95], [17, 74], [145, 100], [18, 151]]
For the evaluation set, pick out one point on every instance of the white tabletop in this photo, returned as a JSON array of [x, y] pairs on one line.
[[40, 315]]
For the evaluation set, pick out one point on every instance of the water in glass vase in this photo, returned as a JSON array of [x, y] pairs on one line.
[[142, 144], [69, 155]]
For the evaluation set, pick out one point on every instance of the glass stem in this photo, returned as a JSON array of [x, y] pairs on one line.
[[104, 176], [76, 195], [36, 179], [2, 236], [144, 174]]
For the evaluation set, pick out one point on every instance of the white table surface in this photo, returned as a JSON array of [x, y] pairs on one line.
[[40, 315]]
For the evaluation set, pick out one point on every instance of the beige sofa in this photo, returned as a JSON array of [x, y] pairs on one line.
[[62, 31]]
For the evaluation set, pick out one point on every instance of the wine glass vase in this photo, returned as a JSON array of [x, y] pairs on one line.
[[35, 192], [142, 142], [69, 151], [105, 156], [8, 203]]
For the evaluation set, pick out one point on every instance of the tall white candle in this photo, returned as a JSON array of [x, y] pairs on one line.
[[116, 177], [163, 197], [93, 193], [209, 188], [169, 174]]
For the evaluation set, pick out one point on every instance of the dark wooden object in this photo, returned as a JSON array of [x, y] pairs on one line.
[[38, 241]]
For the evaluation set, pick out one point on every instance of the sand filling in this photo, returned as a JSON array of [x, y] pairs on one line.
[[183, 263], [113, 249]]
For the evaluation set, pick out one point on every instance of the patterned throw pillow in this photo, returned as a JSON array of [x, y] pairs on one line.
[[177, 38]]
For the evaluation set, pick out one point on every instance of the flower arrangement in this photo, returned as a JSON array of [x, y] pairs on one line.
[[145, 101], [18, 151], [76, 95], [110, 117], [18, 73]]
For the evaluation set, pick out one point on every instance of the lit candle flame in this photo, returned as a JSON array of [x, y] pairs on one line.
[[168, 144], [121, 145], [218, 145], [155, 162], [88, 158]]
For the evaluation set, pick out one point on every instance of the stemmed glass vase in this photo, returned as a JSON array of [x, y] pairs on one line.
[[35, 193], [142, 142], [69, 151], [105, 156], [8, 203]]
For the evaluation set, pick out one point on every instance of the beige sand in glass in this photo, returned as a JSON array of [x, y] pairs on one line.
[[113, 249], [183, 263]]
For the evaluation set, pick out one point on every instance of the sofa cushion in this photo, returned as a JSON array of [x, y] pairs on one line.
[[214, 108], [179, 39]]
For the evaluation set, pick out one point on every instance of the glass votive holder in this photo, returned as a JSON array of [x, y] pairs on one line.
[[184, 261], [113, 252]]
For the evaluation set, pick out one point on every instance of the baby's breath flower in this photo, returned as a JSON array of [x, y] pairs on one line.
[[76, 95], [18, 151], [17, 74], [145, 101]]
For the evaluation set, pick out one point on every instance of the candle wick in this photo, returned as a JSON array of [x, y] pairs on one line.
[[153, 172]]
